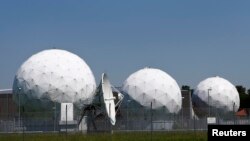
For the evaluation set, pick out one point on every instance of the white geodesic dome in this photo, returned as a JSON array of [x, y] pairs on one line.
[[215, 95], [153, 85], [54, 75]]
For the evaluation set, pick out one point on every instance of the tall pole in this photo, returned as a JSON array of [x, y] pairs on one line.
[[194, 123], [151, 120], [111, 131], [190, 104], [66, 117], [19, 108], [110, 124], [23, 124], [234, 113], [127, 115], [110, 115], [55, 117], [182, 113], [8, 106], [127, 112], [208, 101]]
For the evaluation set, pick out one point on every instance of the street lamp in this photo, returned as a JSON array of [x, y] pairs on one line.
[[208, 90]]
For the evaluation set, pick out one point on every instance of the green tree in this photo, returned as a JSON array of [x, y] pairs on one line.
[[185, 87], [241, 89], [244, 97]]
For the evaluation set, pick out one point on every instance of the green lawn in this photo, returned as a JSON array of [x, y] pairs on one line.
[[122, 136]]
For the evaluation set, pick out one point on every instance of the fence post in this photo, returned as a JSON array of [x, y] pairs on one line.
[[23, 121], [66, 118], [55, 117], [151, 120], [194, 123]]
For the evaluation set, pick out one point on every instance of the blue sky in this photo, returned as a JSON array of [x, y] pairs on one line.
[[190, 40]]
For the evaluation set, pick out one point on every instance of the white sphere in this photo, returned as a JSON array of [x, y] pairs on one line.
[[55, 75], [215, 95], [153, 85]]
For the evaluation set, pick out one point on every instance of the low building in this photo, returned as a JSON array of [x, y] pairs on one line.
[[8, 108]]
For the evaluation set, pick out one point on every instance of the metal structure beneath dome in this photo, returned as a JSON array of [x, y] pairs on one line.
[[106, 102]]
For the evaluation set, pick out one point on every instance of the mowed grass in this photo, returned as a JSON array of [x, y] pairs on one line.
[[120, 136]]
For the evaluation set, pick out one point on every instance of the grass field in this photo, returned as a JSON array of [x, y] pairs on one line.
[[122, 136]]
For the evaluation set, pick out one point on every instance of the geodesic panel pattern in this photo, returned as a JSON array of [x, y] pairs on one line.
[[153, 85], [218, 94], [55, 75]]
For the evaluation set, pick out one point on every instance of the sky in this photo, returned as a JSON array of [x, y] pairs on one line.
[[191, 40]]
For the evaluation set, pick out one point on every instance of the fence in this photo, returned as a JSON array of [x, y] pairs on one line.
[[132, 119]]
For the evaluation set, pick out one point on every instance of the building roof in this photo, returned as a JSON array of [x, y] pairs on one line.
[[5, 91], [242, 113]]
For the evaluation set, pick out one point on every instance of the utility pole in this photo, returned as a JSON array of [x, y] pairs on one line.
[[208, 101]]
